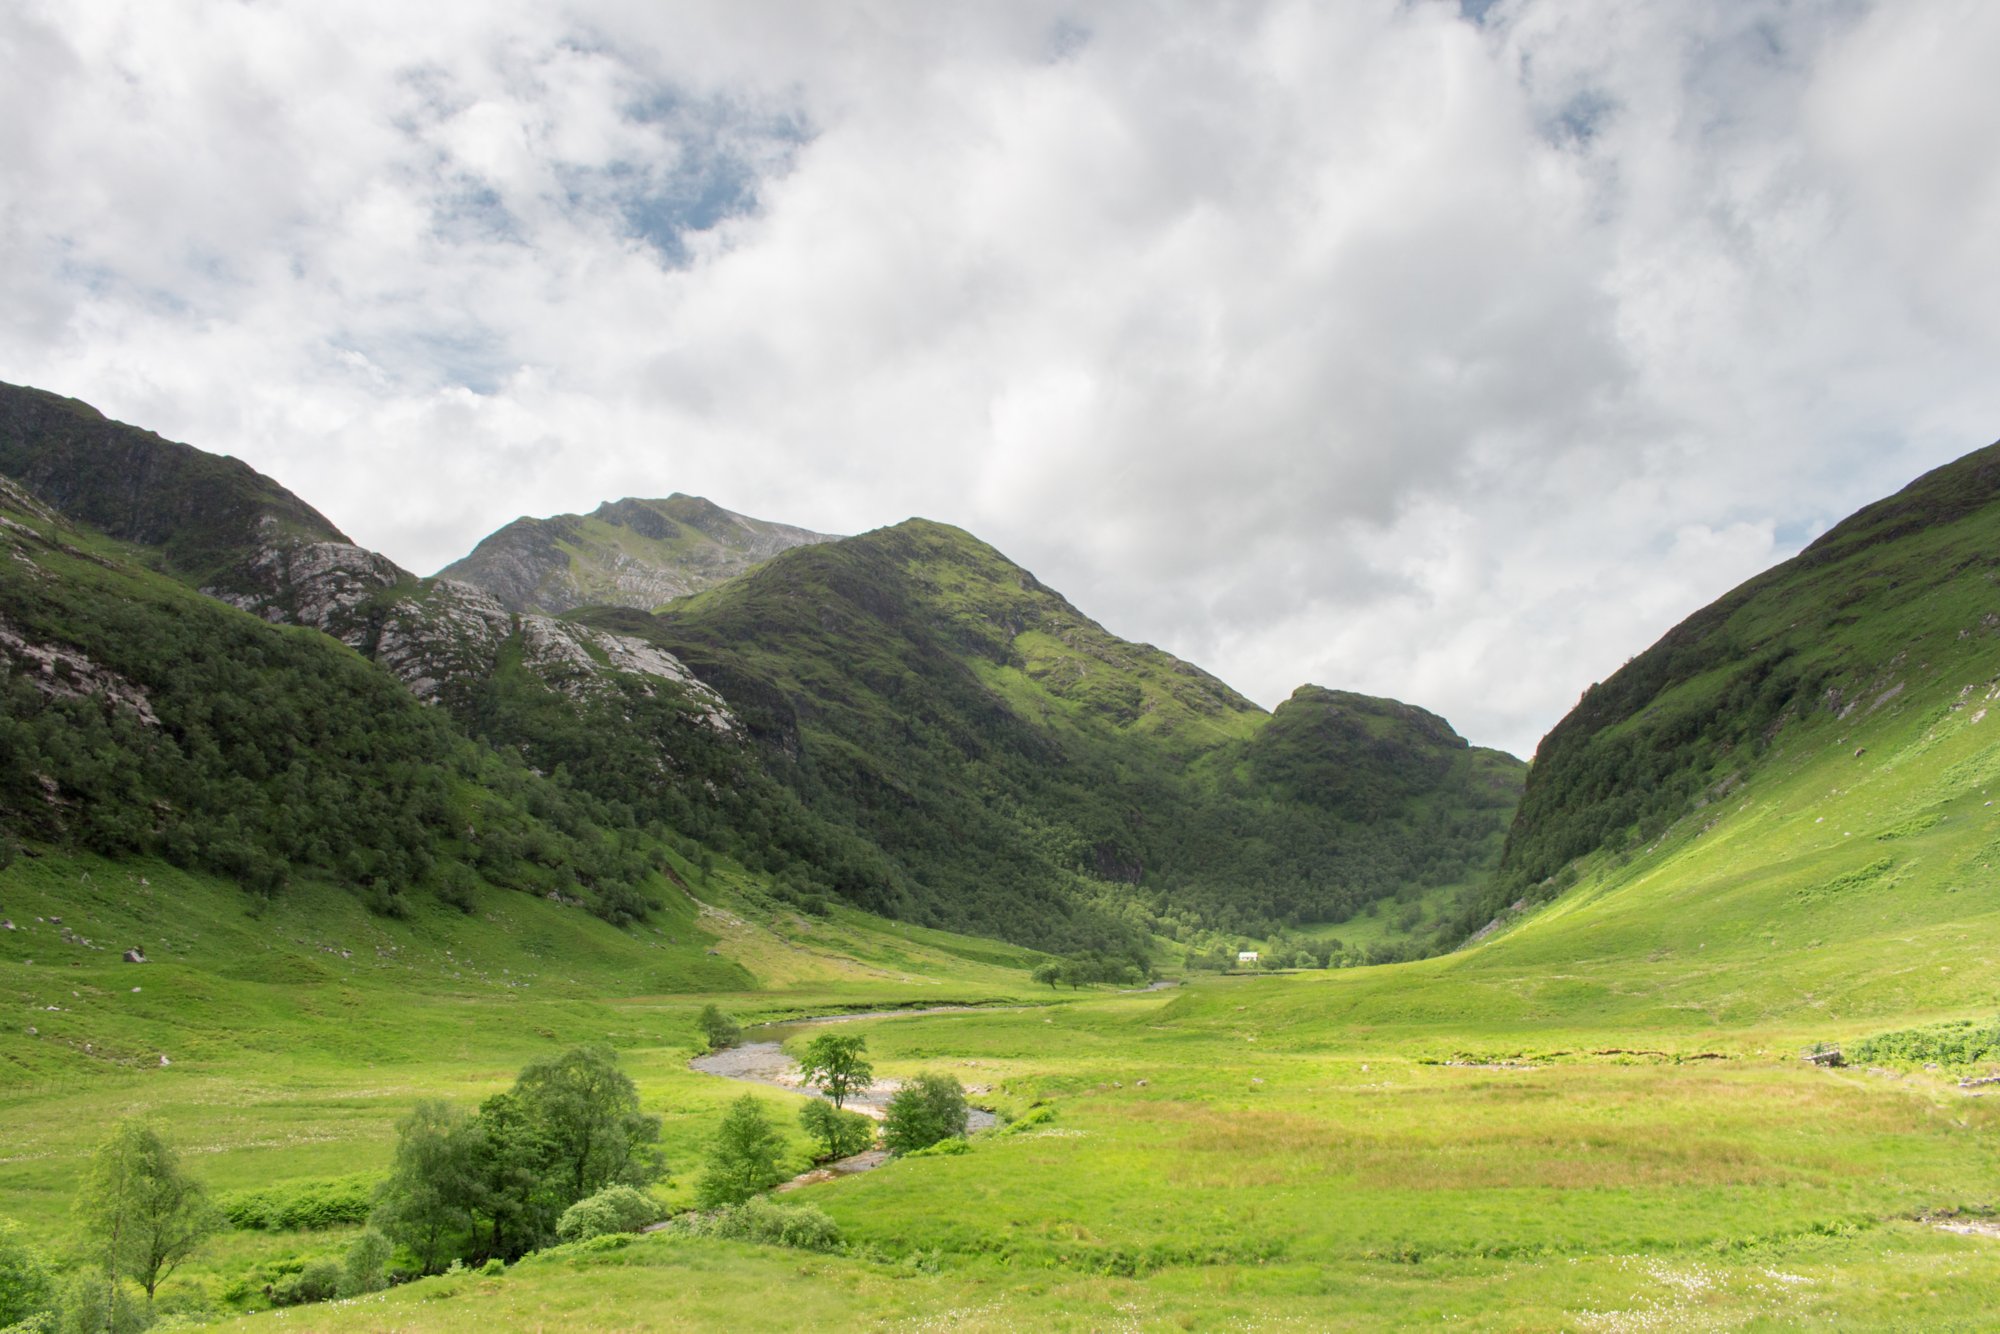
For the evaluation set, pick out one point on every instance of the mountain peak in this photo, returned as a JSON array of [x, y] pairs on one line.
[[632, 552]]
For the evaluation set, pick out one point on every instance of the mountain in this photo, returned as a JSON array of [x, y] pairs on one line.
[[915, 685], [905, 720], [625, 553]]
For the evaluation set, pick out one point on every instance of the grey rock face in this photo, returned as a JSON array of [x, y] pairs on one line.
[[434, 634]]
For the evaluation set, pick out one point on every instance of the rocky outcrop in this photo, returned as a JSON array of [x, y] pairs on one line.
[[438, 634], [63, 672], [321, 584]]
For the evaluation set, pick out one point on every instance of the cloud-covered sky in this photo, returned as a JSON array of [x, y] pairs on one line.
[[1446, 351]]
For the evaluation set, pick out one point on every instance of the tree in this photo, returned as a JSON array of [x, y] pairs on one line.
[[1050, 972], [744, 1157], [720, 1030], [425, 1203], [836, 1064], [587, 1112], [843, 1133], [926, 1109], [514, 1185], [141, 1214]]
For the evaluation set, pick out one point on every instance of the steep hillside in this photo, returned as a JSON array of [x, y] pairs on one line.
[[144, 718], [1012, 756], [1896, 604], [625, 553], [1787, 804], [207, 515]]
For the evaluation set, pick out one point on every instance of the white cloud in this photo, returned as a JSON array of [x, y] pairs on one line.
[[1361, 344]]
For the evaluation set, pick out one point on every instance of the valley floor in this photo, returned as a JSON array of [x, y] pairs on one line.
[[1632, 1145]]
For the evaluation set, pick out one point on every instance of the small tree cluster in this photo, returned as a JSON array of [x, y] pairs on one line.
[[1092, 967], [496, 1183]]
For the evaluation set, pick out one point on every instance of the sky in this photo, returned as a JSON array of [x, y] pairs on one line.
[[1447, 351]]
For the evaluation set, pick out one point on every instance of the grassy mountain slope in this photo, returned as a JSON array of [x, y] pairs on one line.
[[1022, 765], [1895, 608], [626, 553]]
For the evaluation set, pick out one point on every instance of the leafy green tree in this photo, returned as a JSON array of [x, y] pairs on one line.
[[926, 1109], [837, 1064], [744, 1157], [141, 1214], [424, 1205], [587, 1112], [1050, 973], [515, 1187], [718, 1028], [842, 1133], [26, 1286]]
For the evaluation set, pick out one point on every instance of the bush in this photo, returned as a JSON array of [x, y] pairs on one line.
[[925, 1110], [26, 1287], [317, 1282], [613, 1209], [842, 1133], [800, 1227], [89, 1307], [949, 1147], [1962, 1042], [367, 1264], [718, 1029]]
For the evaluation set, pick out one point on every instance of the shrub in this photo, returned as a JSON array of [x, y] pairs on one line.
[[800, 1227], [949, 1147], [1960, 1042], [929, 1108], [88, 1303], [718, 1028], [301, 1206], [26, 1287], [317, 1282], [367, 1263], [613, 1209]]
